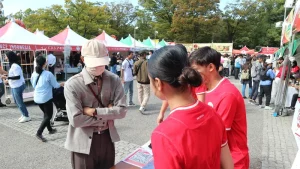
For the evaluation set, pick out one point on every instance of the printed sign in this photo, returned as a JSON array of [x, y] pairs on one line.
[[139, 158]]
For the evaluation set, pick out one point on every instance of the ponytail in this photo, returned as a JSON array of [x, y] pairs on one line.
[[40, 61]]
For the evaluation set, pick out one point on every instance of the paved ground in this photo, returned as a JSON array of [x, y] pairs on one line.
[[23, 150]]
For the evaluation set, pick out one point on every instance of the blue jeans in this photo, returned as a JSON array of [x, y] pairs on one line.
[[17, 94], [244, 89], [113, 69], [129, 86]]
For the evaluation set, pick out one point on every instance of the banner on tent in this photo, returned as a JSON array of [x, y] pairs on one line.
[[36, 47], [220, 47]]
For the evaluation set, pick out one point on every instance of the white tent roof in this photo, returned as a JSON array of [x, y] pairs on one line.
[[112, 44], [12, 33], [69, 37], [41, 34]]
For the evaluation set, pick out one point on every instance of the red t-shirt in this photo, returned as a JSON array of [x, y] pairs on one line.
[[191, 138], [280, 72], [226, 99], [295, 69], [199, 90]]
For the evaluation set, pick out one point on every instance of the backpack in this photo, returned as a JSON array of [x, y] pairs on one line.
[[245, 75], [263, 75]]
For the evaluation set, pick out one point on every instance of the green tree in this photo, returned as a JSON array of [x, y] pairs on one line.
[[194, 20]]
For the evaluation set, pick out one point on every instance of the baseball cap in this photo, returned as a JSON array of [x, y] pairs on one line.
[[95, 53], [268, 61]]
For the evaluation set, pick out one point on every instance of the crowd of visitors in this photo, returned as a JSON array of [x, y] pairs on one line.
[[206, 127]]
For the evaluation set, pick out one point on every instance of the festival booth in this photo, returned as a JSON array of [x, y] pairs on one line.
[[133, 43], [72, 43], [223, 48], [244, 51], [15, 38], [111, 43], [163, 43], [152, 44]]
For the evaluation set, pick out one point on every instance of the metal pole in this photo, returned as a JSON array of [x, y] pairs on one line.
[[155, 39], [134, 36]]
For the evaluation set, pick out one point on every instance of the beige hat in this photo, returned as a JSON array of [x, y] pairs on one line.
[[95, 54]]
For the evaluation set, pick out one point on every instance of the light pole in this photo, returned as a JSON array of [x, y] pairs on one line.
[[134, 34], [155, 33]]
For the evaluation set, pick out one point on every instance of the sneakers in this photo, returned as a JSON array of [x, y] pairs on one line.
[[268, 108], [131, 104], [40, 137], [53, 131], [20, 118], [262, 107], [245, 97], [253, 102], [142, 110], [24, 119]]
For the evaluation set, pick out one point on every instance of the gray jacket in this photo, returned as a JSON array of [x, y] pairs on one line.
[[255, 70], [78, 96]]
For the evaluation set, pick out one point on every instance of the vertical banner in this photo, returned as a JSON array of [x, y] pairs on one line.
[[288, 27], [296, 24]]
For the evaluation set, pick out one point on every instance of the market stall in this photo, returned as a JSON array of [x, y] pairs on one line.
[[71, 41], [133, 43], [15, 38], [112, 44]]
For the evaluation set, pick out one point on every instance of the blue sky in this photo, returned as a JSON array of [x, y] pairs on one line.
[[13, 6]]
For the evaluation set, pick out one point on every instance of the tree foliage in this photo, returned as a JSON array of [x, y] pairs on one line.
[[243, 22]]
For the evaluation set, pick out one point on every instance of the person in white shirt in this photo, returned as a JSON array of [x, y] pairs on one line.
[[51, 60], [226, 65], [150, 54], [16, 82], [127, 76], [2, 75]]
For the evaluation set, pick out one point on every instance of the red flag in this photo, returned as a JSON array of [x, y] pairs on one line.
[[297, 17]]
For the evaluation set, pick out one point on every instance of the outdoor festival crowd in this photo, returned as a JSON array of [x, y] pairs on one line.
[[206, 128]]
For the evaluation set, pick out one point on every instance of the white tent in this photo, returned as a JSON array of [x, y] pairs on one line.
[[69, 37], [112, 44], [41, 34], [15, 37]]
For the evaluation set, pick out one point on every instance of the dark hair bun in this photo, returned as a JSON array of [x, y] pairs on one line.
[[191, 77]]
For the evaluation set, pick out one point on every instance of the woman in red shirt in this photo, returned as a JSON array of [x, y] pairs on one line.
[[295, 67], [193, 136]]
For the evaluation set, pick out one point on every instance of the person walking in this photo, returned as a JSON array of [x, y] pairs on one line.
[[94, 99], [255, 73], [43, 81], [193, 135], [3, 74], [113, 63], [237, 66], [143, 82], [16, 81], [127, 76], [246, 79], [266, 77], [51, 60], [228, 102], [226, 65]]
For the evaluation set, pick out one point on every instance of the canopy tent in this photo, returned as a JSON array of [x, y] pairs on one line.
[[41, 34], [69, 37], [15, 37], [130, 41], [244, 50], [163, 43], [268, 50], [112, 44], [149, 42], [171, 43]]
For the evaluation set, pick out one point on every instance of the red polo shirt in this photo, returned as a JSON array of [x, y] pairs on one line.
[[226, 99], [190, 138]]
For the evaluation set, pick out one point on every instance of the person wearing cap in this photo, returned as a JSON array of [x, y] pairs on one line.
[[143, 81], [51, 60], [266, 77], [94, 99]]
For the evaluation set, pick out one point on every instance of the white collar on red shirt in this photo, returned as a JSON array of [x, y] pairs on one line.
[[216, 86], [185, 108]]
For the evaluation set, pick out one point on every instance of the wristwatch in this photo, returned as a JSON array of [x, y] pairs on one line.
[[95, 113]]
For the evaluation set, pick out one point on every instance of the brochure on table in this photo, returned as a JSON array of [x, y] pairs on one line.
[[142, 157]]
